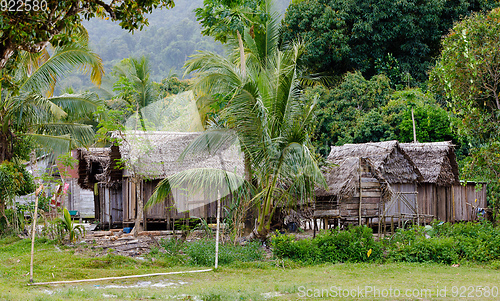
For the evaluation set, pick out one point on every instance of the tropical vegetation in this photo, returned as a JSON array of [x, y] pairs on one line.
[[265, 112]]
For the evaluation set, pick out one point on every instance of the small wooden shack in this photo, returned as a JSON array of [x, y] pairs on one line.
[[441, 194], [369, 182], [122, 174], [99, 172]]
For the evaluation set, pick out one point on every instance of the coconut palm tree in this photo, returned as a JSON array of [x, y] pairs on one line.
[[266, 113], [135, 87], [27, 104]]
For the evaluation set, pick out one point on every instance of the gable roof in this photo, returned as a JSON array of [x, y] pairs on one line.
[[387, 161], [387, 158], [435, 160], [155, 155]]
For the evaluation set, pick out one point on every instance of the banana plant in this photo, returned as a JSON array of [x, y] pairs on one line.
[[68, 226]]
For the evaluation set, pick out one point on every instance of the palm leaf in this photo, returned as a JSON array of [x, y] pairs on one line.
[[78, 104], [211, 142], [80, 134], [57, 144], [212, 181], [64, 61]]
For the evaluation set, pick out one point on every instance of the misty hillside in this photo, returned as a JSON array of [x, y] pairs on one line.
[[171, 37]]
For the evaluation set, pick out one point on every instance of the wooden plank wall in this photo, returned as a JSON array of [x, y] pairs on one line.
[[467, 199], [129, 200], [116, 203], [181, 204], [399, 206], [326, 202], [370, 196], [426, 198], [81, 200]]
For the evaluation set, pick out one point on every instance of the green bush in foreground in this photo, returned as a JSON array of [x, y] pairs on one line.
[[354, 245], [202, 252], [441, 243]]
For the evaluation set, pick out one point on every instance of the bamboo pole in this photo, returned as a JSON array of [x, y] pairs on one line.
[[217, 232], [414, 131], [117, 278], [33, 231], [360, 193]]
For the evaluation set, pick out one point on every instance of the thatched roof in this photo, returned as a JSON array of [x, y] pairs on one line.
[[93, 164], [435, 160], [155, 155], [387, 158], [387, 161]]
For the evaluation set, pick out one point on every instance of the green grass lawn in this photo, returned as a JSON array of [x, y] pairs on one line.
[[271, 280]]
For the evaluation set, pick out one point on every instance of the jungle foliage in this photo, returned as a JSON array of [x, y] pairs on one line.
[[353, 35], [440, 243]]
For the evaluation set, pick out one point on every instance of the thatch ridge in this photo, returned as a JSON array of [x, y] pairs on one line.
[[435, 160]]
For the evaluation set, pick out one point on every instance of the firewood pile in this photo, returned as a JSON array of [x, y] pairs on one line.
[[117, 242]]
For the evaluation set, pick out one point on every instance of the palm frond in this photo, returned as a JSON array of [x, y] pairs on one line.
[[57, 144], [80, 134], [64, 60], [78, 104], [212, 181], [210, 142]]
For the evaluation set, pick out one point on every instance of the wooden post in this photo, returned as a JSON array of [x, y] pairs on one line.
[[385, 227], [140, 206], [392, 224], [315, 226], [360, 193], [453, 203], [33, 231], [217, 231], [416, 208], [109, 208], [414, 131]]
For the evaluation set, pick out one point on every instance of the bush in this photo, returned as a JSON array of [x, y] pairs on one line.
[[440, 243], [354, 245], [446, 243], [202, 252], [422, 249]]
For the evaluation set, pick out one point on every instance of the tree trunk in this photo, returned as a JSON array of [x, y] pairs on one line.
[[248, 210], [140, 207], [2, 212], [5, 146], [5, 54]]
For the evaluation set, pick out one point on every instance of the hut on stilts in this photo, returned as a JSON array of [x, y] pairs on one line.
[[370, 183], [125, 176], [441, 194]]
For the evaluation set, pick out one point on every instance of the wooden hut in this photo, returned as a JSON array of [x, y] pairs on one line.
[[98, 171], [370, 181], [144, 159], [441, 194]]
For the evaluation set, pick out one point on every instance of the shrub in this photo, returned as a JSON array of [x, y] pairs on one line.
[[422, 249], [446, 243], [354, 245], [202, 252]]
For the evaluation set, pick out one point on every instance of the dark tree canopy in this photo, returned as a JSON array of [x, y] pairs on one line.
[[32, 27], [351, 35]]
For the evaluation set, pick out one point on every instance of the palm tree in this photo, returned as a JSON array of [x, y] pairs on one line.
[[135, 87], [266, 113], [27, 104], [28, 107]]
